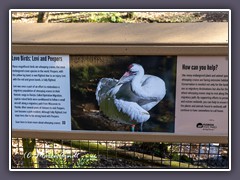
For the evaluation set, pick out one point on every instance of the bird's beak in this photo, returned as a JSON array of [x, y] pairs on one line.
[[125, 75]]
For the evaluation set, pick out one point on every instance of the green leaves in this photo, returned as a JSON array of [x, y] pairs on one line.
[[85, 161], [104, 17], [71, 161]]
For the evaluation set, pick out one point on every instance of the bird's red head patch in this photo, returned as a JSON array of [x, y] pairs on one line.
[[130, 66]]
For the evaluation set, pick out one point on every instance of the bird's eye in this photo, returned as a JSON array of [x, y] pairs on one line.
[[133, 72]]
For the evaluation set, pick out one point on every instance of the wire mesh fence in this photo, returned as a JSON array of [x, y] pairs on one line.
[[116, 154]]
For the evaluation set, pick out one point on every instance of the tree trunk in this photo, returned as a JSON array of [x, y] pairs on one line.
[[43, 17], [130, 15]]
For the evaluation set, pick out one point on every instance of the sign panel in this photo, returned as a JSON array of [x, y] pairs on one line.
[[41, 92], [184, 94], [202, 95]]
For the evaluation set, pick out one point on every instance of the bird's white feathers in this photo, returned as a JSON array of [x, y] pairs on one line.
[[130, 98]]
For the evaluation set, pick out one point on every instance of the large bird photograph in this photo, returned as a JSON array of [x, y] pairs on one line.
[[123, 93]]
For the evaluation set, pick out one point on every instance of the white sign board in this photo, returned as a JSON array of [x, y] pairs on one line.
[[202, 95], [196, 100], [41, 92]]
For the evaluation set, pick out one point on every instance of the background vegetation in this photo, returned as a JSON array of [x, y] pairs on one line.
[[119, 17]]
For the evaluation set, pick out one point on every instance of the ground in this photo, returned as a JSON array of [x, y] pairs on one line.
[[136, 17]]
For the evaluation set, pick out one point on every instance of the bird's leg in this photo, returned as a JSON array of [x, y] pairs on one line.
[[141, 127], [133, 127]]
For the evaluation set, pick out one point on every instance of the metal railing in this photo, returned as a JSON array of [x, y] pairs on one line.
[[118, 154]]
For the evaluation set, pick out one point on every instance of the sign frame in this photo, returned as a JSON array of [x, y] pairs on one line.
[[27, 39]]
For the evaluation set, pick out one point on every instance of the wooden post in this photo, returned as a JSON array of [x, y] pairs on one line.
[[30, 153]]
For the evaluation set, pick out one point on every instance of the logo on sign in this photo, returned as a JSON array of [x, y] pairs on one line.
[[206, 126], [199, 125]]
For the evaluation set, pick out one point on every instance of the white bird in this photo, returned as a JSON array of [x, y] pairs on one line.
[[129, 99]]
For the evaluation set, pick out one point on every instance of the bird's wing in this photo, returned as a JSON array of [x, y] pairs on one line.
[[154, 87], [104, 85], [147, 104], [133, 110]]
